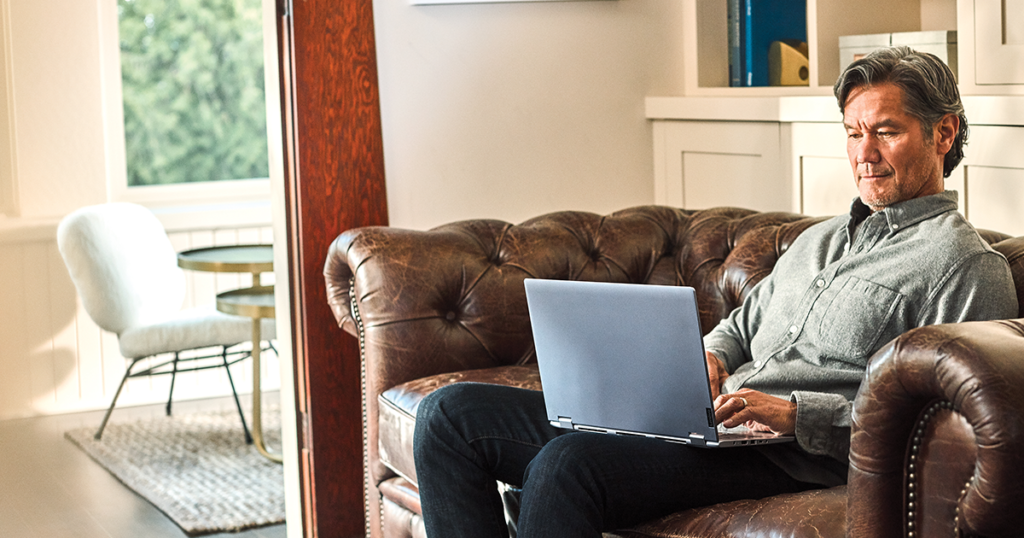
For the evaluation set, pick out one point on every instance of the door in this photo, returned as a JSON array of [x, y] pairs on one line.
[[334, 181]]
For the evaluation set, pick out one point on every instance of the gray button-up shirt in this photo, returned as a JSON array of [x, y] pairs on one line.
[[845, 288]]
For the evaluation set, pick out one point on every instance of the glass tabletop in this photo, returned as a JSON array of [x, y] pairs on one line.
[[229, 259]]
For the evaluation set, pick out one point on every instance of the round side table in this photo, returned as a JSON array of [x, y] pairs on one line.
[[253, 259], [256, 303]]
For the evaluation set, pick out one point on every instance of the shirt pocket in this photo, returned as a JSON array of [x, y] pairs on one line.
[[855, 319]]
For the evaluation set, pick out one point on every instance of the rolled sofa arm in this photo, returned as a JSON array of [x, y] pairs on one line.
[[937, 447]]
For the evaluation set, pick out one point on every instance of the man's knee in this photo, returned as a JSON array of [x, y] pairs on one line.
[[566, 459], [446, 402], [446, 411], [432, 413]]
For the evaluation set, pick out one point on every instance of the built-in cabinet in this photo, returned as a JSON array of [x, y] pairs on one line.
[[784, 149], [715, 163]]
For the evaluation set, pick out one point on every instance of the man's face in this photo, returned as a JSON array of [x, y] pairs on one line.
[[893, 158]]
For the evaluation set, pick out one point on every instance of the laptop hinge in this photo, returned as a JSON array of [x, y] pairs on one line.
[[562, 422]]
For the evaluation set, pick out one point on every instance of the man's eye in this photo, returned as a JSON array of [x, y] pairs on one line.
[[854, 136]]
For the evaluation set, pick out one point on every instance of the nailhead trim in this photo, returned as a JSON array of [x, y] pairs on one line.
[[912, 471], [357, 318]]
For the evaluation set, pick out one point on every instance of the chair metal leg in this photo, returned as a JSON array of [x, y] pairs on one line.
[[174, 374], [227, 368], [106, 417]]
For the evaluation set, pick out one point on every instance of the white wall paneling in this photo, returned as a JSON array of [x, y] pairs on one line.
[[54, 359]]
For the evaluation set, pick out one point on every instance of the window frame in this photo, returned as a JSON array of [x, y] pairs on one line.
[[214, 203]]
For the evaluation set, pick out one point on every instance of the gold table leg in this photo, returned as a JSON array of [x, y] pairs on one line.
[[257, 422]]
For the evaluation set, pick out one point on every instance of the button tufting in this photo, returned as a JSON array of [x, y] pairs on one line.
[[450, 316]]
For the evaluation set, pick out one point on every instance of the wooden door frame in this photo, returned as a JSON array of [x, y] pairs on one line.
[[334, 181]]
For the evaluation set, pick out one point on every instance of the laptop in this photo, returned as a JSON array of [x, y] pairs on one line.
[[627, 359]]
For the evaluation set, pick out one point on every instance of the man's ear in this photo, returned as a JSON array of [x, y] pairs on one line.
[[944, 132]]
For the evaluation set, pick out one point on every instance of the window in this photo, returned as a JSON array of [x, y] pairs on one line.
[[192, 86]]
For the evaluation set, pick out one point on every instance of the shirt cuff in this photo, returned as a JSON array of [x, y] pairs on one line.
[[823, 423]]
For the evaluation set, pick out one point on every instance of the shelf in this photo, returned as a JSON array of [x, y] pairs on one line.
[[774, 109], [706, 34]]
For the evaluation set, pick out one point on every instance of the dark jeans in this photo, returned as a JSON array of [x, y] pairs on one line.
[[573, 483]]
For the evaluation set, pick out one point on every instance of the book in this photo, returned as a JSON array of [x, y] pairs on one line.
[[736, 64], [761, 23]]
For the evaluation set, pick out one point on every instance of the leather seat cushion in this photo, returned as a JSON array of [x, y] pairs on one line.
[[397, 418], [809, 514]]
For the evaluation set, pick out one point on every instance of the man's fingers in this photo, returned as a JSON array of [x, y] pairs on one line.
[[728, 407]]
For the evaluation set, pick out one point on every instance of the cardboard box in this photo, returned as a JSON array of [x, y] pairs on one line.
[[941, 43]]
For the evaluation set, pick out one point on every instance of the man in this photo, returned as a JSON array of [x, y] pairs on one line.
[[788, 360]]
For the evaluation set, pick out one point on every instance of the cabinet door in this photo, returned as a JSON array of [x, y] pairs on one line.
[[994, 179], [999, 41], [702, 164], [821, 171]]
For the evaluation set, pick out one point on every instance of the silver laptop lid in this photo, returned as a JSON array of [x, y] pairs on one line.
[[625, 358]]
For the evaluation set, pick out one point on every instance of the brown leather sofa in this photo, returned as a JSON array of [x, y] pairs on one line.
[[938, 435]]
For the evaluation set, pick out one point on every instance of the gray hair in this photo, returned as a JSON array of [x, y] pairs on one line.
[[928, 86]]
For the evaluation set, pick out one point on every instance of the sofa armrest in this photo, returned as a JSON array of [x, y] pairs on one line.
[[938, 434]]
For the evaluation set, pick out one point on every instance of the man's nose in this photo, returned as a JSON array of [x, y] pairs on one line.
[[867, 150]]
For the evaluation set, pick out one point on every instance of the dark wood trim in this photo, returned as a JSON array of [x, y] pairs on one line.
[[334, 180]]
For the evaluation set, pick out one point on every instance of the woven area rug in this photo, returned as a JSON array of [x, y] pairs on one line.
[[195, 468]]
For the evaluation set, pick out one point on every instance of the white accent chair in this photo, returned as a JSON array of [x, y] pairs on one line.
[[126, 272]]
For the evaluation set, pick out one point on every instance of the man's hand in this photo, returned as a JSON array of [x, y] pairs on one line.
[[716, 374], [757, 410]]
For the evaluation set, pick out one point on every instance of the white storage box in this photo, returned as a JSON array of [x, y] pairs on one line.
[[941, 43]]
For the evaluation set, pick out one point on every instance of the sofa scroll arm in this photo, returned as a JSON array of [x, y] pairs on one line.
[[938, 434], [338, 277]]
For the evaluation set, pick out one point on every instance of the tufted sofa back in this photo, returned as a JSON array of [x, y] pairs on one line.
[[460, 285]]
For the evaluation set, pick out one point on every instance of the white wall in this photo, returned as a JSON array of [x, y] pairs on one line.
[[53, 107], [512, 110]]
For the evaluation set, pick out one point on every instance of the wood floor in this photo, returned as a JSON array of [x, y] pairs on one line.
[[51, 489]]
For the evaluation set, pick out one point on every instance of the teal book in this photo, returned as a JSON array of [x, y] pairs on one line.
[[765, 21]]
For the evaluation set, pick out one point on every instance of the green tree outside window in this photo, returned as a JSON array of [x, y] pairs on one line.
[[192, 80]]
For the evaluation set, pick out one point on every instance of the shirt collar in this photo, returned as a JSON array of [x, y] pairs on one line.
[[909, 212]]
